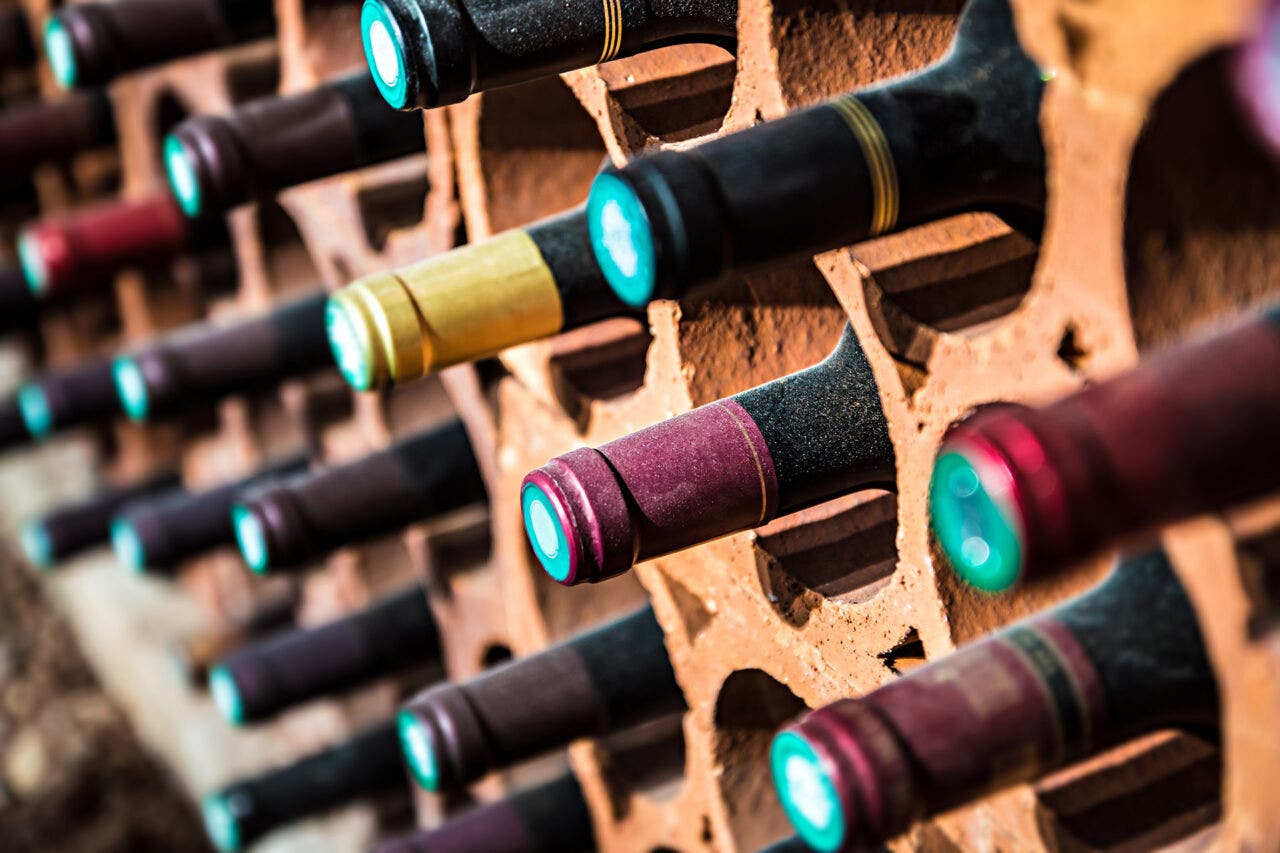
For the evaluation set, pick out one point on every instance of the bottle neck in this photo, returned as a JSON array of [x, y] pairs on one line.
[[549, 817], [869, 163], [1121, 660], [362, 767], [1208, 412], [391, 636], [601, 682], [421, 477], [565, 246], [431, 53], [724, 467], [824, 428]]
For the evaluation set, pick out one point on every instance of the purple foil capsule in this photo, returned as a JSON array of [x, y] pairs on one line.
[[731, 465]]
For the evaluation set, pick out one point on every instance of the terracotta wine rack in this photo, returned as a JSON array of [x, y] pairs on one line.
[[1161, 220]]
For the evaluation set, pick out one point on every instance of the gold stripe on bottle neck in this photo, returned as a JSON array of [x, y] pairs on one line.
[[470, 303], [879, 157], [612, 30]]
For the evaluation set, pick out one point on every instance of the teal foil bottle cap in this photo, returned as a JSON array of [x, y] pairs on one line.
[[131, 386], [384, 51], [974, 520], [622, 240], [183, 180], [808, 795], [220, 823], [128, 546], [251, 538], [542, 524], [226, 695], [350, 345], [36, 412], [37, 546], [419, 755], [61, 54], [31, 259]]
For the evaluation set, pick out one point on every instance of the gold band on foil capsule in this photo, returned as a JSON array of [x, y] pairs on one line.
[[880, 165], [470, 303], [612, 30]]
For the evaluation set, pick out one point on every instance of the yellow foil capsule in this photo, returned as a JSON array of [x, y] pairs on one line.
[[466, 304]]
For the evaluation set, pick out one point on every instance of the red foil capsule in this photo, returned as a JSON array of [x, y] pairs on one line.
[[1019, 491], [90, 246]]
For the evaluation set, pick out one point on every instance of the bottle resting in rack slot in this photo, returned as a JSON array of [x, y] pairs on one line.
[[215, 163], [65, 532], [55, 131], [1120, 661], [604, 681], [89, 44], [470, 303], [80, 395], [430, 53], [84, 249], [204, 363], [159, 534], [961, 135], [196, 653], [1019, 491], [551, 818], [593, 513], [387, 638], [286, 524], [363, 767]]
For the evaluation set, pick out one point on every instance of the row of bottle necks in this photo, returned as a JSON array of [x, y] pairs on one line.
[[656, 228]]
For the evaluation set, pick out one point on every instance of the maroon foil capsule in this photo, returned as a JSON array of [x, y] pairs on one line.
[[90, 246], [1190, 431], [615, 507], [1007, 709], [552, 818]]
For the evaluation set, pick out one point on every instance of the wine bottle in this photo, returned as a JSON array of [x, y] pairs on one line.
[[1119, 661], [215, 163], [80, 395], [429, 53], [55, 131], [1020, 491], [65, 532], [551, 818], [469, 303], [16, 49], [196, 654], [593, 513], [86, 248], [287, 524], [89, 44], [19, 307], [598, 683], [960, 135], [363, 767], [389, 637], [1257, 80], [207, 362], [158, 534], [13, 427]]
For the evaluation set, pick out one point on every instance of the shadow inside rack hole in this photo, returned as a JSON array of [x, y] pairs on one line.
[[750, 709], [843, 550], [1202, 227]]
